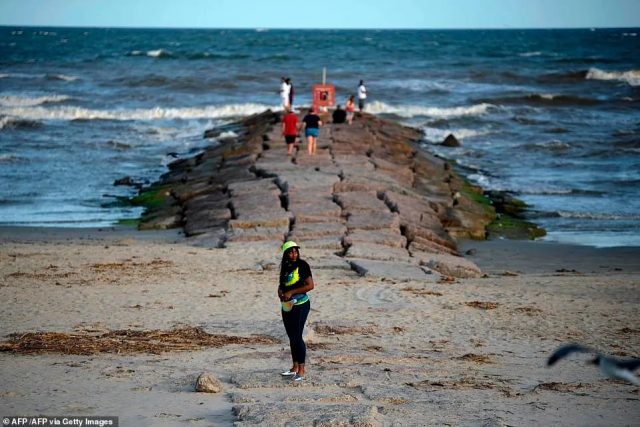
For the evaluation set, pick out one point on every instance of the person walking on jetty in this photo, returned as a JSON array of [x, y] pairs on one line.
[[311, 124], [362, 95], [295, 281], [351, 108], [290, 130], [284, 92]]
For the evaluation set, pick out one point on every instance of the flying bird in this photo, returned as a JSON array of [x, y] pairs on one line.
[[612, 367]]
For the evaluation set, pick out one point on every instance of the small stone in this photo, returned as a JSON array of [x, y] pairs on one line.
[[206, 383]]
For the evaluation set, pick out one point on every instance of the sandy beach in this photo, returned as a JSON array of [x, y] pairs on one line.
[[460, 352]]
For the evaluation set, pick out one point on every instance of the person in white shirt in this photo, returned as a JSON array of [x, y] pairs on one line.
[[362, 95], [284, 93]]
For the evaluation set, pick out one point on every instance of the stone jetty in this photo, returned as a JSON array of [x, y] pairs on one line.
[[369, 200]]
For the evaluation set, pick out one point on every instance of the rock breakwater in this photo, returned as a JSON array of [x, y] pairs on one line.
[[369, 200]]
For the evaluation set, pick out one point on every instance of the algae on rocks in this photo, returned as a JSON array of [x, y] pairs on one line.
[[510, 221]]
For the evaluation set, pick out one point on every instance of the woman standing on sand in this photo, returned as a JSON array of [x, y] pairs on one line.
[[295, 282], [311, 124]]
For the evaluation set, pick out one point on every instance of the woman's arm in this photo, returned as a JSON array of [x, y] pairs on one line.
[[306, 287]]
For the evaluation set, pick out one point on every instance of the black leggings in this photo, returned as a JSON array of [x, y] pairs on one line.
[[294, 321]]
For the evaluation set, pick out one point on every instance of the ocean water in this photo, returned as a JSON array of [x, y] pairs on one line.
[[550, 115]]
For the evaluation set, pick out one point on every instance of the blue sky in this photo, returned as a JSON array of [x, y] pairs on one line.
[[323, 13]]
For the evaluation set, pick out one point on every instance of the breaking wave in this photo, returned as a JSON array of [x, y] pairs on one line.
[[25, 101], [156, 53], [590, 215], [15, 123], [408, 111], [76, 113], [631, 77], [542, 99], [528, 54], [25, 76]]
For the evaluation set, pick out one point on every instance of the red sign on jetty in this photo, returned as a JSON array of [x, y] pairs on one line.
[[324, 95]]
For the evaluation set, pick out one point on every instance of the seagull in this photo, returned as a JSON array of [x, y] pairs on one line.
[[610, 366]]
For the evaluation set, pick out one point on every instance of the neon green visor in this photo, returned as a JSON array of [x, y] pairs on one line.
[[288, 245]]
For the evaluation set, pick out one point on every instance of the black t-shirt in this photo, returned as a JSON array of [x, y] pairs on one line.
[[339, 116], [312, 121], [295, 278]]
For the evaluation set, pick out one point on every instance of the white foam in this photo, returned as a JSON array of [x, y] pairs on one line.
[[419, 85], [548, 96], [7, 158], [22, 76], [480, 179], [597, 215], [632, 77], [157, 113], [25, 101], [228, 135], [378, 107], [158, 53], [155, 53], [528, 54], [37, 76], [65, 77], [597, 239]]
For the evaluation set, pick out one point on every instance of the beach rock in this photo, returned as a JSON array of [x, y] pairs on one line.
[[374, 251], [211, 238], [448, 265], [355, 201], [317, 230], [373, 220], [127, 181], [391, 270], [389, 237], [207, 383], [161, 222], [451, 141]]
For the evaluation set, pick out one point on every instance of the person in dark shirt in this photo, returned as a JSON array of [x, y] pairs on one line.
[[311, 124], [339, 115], [295, 281]]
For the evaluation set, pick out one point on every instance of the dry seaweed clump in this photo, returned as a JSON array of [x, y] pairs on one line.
[[124, 341], [476, 358], [343, 330], [483, 305]]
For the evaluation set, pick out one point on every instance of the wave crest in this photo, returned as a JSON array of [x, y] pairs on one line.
[[25, 101], [157, 113], [156, 53], [631, 77], [15, 123], [408, 111]]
